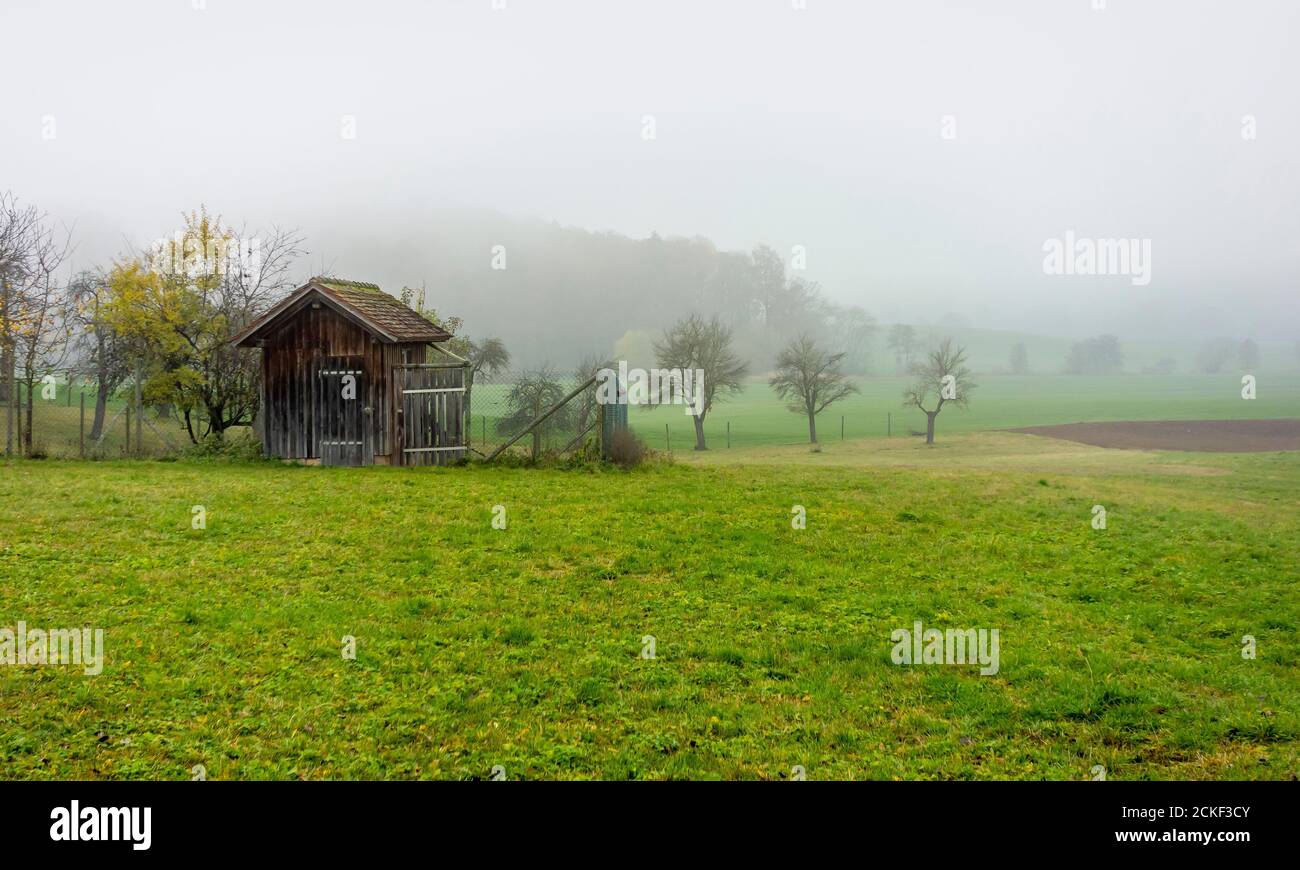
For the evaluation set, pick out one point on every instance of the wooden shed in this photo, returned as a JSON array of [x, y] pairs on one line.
[[354, 376]]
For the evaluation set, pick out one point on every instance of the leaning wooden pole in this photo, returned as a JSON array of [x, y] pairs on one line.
[[542, 419], [583, 434]]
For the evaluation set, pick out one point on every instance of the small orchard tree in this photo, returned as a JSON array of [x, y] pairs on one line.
[[696, 343], [941, 377], [533, 393], [809, 380], [584, 406], [103, 356]]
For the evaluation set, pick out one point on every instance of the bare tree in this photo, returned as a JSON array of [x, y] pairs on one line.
[[33, 331], [941, 378], [585, 404], [533, 393], [103, 356], [809, 380], [250, 284], [699, 344]]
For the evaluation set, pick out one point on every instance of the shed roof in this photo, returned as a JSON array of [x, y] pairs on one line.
[[387, 317]]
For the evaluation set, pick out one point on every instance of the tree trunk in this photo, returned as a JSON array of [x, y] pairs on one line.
[[699, 433], [929, 426], [812, 428], [101, 408], [11, 403], [139, 412], [101, 386], [27, 424]]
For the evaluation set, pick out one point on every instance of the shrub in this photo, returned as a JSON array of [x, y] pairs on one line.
[[626, 450], [235, 447]]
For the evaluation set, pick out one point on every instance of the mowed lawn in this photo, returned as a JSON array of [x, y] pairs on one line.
[[522, 647]]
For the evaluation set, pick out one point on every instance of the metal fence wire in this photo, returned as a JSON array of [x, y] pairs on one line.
[[502, 407], [62, 421], [57, 416]]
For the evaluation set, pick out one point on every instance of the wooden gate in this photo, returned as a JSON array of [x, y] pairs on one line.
[[430, 403]]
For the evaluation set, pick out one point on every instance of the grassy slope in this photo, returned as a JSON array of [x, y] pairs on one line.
[[520, 647]]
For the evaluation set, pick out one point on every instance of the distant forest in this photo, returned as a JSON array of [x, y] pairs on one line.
[[556, 294]]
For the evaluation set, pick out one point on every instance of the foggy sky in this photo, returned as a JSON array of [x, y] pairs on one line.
[[818, 127]]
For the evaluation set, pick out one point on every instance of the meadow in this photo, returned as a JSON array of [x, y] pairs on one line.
[[758, 418], [523, 647]]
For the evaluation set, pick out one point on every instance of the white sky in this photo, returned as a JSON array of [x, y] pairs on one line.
[[818, 127]]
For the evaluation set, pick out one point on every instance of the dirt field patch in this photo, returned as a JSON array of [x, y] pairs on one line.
[[1208, 436]]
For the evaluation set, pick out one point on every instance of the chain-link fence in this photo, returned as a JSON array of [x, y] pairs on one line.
[[62, 415], [65, 422], [502, 407], [507, 402]]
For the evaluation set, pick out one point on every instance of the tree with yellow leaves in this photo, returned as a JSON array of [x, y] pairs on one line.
[[176, 308]]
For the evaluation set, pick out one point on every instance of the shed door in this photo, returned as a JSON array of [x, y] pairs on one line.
[[340, 412]]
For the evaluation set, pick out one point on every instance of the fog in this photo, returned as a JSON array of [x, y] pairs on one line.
[[920, 153]]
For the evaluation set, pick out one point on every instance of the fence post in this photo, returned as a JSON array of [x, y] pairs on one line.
[[485, 431], [7, 375], [128, 431], [22, 435], [668, 439], [82, 437], [728, 434], [139, 414], [841, 427]]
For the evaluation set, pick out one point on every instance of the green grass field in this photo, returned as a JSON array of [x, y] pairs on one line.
[[521, 647], [758, 418]]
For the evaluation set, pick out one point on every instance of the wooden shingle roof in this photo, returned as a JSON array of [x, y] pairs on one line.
[[388, 318]]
